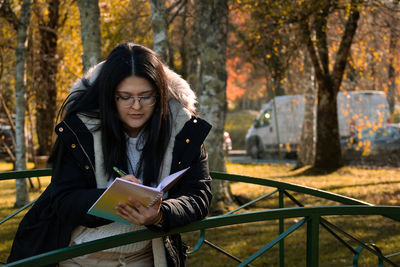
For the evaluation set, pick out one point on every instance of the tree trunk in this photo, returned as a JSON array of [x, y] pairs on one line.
[[212, 95], [46, 80], [193, 72], [306, 151], [183, 47], [278, 79], [22, 196], [90, 32], [393, 38], [328, 152], [159, 20], [277, 70], [391, 75]]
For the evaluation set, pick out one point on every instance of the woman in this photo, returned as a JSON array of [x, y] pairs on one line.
[[132, 112]]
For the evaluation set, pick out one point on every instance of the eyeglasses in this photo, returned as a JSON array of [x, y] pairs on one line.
[[129, 101]]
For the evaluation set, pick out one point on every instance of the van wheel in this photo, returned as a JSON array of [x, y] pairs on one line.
[[254, 150]]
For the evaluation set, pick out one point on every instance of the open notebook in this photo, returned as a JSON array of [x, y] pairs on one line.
[[120, 190]]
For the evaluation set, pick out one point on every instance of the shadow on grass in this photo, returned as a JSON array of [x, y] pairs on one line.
[[315, 171]]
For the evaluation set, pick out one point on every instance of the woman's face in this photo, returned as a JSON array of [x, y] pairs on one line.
[[135, 99]]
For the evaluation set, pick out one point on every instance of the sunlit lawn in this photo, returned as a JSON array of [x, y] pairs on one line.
[[381, 186], [7, 200]]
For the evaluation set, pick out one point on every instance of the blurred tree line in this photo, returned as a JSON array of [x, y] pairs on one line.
[[264, 34], [315, 48], [236, 54]]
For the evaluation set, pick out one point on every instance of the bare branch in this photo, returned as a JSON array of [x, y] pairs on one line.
[[177, 12], [177, 3], [8, 114], [8, 150], [47, 29]]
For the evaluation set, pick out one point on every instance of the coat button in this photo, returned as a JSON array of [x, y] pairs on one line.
[[60, 129], [188, 141], [180, 162], [195, 121], [87, 167], [73, 146]]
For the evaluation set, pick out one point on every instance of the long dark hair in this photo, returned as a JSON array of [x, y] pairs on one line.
[[98, 100]]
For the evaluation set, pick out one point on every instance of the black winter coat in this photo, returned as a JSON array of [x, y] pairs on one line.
[[64, 204]]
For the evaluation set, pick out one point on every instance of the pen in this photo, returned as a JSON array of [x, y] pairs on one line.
[[120, 172]]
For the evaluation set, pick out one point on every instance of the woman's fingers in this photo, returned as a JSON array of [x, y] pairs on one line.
[[137, 213], [131, 178], [127, 212]]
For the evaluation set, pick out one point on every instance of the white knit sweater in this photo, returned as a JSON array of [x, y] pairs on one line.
[[83, 234]]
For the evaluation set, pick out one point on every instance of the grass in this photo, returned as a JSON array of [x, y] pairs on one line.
[[7, 200], [379, 186]]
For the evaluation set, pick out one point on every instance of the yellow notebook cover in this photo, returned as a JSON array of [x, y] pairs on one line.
[[120, 190]]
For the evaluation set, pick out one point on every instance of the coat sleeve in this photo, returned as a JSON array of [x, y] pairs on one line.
[[190, 198], [73, 189]]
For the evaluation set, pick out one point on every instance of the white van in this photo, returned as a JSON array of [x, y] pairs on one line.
[[357, 110]]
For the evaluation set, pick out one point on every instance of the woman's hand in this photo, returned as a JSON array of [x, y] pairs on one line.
[[131, 178], [138, 214]]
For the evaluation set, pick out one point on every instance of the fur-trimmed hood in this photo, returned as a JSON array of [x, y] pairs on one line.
[[179, 89]]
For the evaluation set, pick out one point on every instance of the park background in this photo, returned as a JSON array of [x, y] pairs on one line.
[[236, 55]]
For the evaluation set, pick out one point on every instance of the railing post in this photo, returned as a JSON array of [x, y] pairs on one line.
[[313, 241], [281, 230]]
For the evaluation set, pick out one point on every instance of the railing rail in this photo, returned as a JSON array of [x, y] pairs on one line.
[[11, 175], [313, 217], [289, 187], [213, 222]]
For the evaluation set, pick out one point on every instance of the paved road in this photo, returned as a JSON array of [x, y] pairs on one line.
[[239, 156]]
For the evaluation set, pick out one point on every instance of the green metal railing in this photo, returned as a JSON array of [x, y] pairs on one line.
[[312, 217], [11, 175]]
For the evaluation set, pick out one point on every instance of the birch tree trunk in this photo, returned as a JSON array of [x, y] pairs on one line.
[[159, 20], [22, 196], [306, 152], [213, 22], [90, 32]]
